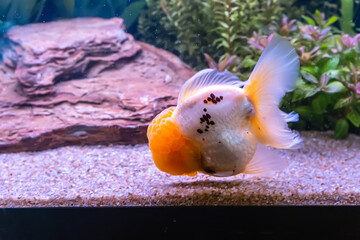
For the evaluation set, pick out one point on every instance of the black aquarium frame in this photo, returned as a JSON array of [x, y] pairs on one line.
[[244, 222]]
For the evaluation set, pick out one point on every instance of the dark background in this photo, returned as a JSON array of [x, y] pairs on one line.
[[185, 222]]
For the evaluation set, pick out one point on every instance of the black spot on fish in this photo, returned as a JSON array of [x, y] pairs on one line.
[[199, 131], [206, 130], [207, 126], [212, 95], [209, 99], [205, 101], [205, 109], [221, 97], [212, 123], [218, 99], [214, 101], [208, 116]]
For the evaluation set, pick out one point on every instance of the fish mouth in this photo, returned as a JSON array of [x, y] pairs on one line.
[[216, 173], [209, 171], [219, 174]]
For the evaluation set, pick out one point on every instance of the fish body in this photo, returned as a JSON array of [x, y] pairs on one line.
[[221, 125], [218, 118]]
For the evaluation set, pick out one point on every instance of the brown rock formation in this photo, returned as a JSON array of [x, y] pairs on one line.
[[46, 53], [82, 81]]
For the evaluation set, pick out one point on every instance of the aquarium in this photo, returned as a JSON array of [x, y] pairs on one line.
[[115, 103]]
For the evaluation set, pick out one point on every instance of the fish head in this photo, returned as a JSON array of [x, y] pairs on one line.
[[172, 152]]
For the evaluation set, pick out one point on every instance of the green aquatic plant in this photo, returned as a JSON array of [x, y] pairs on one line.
[[327, 94], [223, 65], [29, 11], [20, 12], [219, 28], [329, 7], [347, 16], [192, 23], [180, 26], [131, 13], [235, 20], [154, 27], [15, 12], [128, 10], [344, 8]]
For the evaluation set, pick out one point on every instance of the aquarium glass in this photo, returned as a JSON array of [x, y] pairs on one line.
[[112, 103]]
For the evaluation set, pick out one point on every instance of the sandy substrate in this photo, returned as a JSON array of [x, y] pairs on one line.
[[323, 171]]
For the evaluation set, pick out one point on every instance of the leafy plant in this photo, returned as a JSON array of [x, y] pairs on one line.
[[192, 22], [155, 28], [327, 94], [219, 28], [132, 12]]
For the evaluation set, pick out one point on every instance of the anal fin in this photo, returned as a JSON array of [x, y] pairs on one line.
[[265, 162]]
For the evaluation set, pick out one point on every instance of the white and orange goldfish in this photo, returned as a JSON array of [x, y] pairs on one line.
[[221, 125]]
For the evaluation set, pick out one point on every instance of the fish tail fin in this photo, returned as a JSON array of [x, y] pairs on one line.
[[274, 75]]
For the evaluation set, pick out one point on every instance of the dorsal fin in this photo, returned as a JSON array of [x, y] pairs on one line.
[[204, 78]]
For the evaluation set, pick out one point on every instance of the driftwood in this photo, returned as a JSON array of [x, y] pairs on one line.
[[82, 81]]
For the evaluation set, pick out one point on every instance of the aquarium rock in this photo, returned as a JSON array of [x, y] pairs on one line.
[[108, 95], [46, 53]]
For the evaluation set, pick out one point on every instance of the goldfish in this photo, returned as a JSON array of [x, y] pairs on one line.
[[222, 126]]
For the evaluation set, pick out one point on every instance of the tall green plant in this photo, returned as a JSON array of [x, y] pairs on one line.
[[156, 29], [216, 27], [29, 11], [192, 23], [347, 16], [19, 12]]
